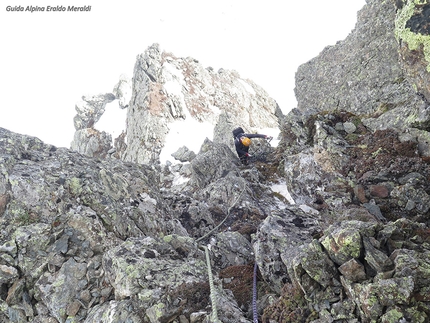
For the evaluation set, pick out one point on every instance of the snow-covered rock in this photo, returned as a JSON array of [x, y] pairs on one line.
[[174, 102]]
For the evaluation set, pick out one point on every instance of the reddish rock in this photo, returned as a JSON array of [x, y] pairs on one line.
[[379, 191], [4, 200], [360, 193], [353, 270]]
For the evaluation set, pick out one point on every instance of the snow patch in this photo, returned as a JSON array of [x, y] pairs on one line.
[[174, 79], [247, 87], [179, 179], [173, 88], [173, 72], [283, 190], [308, 209], [273, 132], [113, 120], [189, 132]]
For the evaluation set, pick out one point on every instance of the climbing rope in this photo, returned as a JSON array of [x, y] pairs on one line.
[[214, 315], [254, 295], [225, 218]]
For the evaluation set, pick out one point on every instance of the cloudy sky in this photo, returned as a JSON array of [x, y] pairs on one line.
[[50, 59]]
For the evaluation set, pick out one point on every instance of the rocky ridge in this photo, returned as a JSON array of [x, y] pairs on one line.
[[168, 92], [100, 239]]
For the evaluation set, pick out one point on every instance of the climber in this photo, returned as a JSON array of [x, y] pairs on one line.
[[242, 142]]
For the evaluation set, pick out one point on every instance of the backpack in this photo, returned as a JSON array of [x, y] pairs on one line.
[[237, 132]]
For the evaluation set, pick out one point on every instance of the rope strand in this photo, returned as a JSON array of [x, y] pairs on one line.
[[225, 218], [254, 295], [212, 288], [209, 267]]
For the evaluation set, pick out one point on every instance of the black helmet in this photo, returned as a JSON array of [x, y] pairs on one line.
[[237, 132]]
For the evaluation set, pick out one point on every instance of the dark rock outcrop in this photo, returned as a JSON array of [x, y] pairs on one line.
[[358, 131]]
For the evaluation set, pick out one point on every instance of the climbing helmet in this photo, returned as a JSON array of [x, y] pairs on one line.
[[245, 141]]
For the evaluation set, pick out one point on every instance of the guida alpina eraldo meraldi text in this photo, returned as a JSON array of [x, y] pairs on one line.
[[48, 8]]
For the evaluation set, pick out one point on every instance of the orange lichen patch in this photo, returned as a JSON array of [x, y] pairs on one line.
[[165, 55], [156, 99], [223, 86], [194, 100], [93, 132], [196, 107]]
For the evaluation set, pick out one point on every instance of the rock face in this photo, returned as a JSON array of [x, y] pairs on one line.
[[356, 148], [380, 71], [176, 100], [337, 217], [92, 138], [168, 91], [355, 82], [82, 237]]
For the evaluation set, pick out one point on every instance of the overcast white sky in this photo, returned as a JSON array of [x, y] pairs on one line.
[[48, 60]]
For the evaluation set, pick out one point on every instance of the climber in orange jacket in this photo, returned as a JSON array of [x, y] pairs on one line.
[[242, 142]]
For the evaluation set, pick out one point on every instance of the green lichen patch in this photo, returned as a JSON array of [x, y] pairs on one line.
[[392, 316], [413, 10], [344, 244], [24, 217], [75, 186]]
